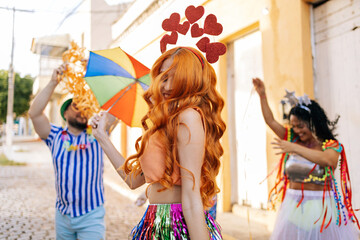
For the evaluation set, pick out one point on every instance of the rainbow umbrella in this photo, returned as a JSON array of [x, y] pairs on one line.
[[118, 82]]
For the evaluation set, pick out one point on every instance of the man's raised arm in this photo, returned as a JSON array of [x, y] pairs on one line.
[[36, 112]]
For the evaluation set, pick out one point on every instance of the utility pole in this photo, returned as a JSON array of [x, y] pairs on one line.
[[11, 82], [10, 101]]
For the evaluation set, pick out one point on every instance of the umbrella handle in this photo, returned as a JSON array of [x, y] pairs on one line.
[[127, 89]]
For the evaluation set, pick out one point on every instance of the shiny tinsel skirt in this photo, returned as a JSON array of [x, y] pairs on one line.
[[167, 222], [305, 222]]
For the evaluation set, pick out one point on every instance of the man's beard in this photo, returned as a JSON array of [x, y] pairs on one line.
[[78, 125]]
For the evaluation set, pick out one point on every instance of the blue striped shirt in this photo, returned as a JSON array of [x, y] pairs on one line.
[[78, 173]]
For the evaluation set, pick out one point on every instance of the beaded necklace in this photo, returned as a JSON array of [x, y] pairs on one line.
[[69, 146]]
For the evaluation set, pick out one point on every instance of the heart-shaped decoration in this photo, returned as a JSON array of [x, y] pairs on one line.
[[196, 31], [171, 24], [194, 13], [183, 28], [168, 39], [163, 43], [214, 50], [211, 26], [173, 37], [201, 44]]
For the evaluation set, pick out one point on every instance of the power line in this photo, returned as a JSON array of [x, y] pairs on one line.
[[17, 9], [70, 13], [50, 11]]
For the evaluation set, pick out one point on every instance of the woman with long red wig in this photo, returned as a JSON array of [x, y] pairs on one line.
[[179, 152]]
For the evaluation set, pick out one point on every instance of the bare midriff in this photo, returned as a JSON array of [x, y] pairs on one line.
[[172, 195]]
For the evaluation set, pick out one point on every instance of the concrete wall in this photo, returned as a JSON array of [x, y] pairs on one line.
[[337, 85]]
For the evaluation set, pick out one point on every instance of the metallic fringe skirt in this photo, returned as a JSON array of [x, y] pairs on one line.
[[167, 222]]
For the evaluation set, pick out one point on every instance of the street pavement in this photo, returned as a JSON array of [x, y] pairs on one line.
[[27, 201]]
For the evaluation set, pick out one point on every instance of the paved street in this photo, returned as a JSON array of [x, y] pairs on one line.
[[27, 199]]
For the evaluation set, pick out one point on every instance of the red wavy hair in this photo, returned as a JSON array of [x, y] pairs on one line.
[[194, 86]]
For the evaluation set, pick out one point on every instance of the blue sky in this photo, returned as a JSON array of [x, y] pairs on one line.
[[43, 21]]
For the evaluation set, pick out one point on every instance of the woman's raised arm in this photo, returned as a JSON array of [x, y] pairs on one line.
[[99, 124], [277, 128]]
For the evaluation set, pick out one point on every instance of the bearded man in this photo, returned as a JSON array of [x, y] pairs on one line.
[[78, 166]]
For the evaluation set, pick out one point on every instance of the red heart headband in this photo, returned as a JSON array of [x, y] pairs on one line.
[[211, 27], [197, 55]]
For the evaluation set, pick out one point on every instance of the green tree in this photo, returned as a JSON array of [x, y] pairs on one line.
[[22, 94]]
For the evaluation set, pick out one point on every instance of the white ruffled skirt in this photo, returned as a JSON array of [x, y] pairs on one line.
[[294, 223]]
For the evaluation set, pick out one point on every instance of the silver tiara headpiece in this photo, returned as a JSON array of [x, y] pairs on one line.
[[302, 101]]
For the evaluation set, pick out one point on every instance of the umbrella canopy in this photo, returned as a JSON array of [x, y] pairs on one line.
[[118, 82]]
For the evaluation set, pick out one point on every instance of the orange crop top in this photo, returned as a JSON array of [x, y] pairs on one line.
[[153, 162]]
